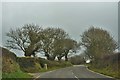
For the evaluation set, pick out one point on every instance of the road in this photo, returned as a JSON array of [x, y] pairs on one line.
[[75, 72]]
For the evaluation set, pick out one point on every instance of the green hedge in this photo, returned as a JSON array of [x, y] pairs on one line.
[[33, 65], [52, 64], [17, 74], [29, 64]]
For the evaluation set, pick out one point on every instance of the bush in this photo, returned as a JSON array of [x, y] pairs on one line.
[[52, 64], [77, 60], [32, 64], [29, 64]]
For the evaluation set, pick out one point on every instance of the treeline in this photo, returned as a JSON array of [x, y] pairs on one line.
[[33, 39], [55, 42]]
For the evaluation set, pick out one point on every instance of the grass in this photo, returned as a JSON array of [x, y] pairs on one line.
[[18, 74], [106, 71]]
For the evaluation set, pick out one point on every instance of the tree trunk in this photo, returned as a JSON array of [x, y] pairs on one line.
[[59, 58], [52, 58], [66, 58], [66, 55], [27, 55], [29, 52], [47, 55]]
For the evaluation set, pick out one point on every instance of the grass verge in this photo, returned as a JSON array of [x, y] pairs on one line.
[[18, 74], [106, 71]]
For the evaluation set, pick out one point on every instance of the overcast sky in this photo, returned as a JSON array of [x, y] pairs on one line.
[[74, 17]]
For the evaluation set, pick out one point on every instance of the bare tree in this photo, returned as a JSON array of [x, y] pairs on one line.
[[98, 42], [28, 39], [51, 35], [64, 46]]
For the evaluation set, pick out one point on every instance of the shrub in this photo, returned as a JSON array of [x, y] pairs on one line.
[[30, 64], [52, 64]]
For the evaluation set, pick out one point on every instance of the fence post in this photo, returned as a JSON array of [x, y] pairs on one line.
[[46, 66]]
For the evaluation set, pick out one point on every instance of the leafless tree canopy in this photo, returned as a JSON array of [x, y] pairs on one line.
[[54, 42]]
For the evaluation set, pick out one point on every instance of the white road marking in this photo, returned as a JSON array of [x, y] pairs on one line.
[[74, 75], [72, 72]]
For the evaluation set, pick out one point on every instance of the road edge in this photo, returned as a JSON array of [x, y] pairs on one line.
[[98, 73]]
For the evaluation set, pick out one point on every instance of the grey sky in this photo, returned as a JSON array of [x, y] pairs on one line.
[[73, 17]]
